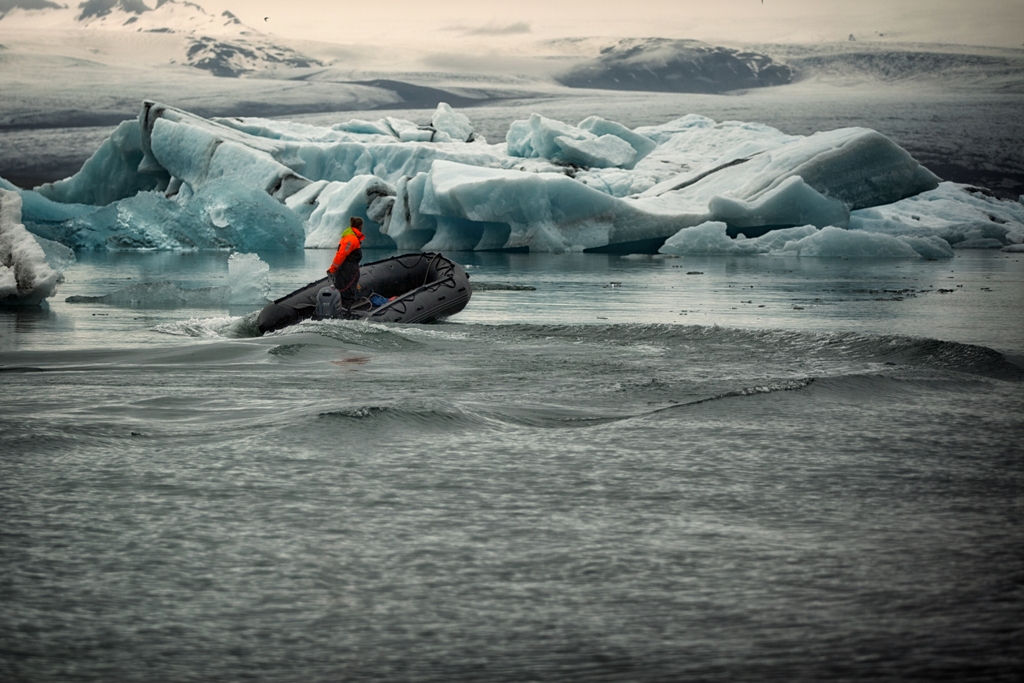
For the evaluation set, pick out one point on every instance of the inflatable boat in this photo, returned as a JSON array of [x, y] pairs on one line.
[[413, 288]]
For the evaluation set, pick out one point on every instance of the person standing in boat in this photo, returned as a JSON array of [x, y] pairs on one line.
[[345, 267]]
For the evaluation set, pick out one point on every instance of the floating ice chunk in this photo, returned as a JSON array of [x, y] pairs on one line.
[[641, 144], [828, 242], [1014, 249], [791, 202], [595, 143], [248, 279], [338, 202], [930, 247], [603, 152], [8, 185], [111, 173], [562, 143], [980, 243], [450, 122], [777, 239], [535, 137], [832, 242], [58, 257], [706, 238], [26, 279], [159, 295], [712, 238], [961, 215]]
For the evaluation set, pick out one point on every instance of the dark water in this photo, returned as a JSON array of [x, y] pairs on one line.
[[571, 483]]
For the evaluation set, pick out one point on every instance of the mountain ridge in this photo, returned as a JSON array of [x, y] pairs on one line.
[[219, 44]]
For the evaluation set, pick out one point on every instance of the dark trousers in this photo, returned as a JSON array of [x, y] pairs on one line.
[[346, 280]]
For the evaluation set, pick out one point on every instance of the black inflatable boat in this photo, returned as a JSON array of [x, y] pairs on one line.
[[413, 288]]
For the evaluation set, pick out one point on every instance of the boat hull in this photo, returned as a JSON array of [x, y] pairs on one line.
[[420, 288]]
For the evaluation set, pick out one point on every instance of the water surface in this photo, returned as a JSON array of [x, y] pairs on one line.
[[641, 469]]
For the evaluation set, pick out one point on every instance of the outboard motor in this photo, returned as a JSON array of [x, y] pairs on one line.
[[328, 304]]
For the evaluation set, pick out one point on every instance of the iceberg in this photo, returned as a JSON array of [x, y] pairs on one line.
[[30, 269], [175, 180], [963, 216], [116, 162], [831, 242], [641, 144], [451, 123], [712, 238], [791, 202], [808, 241], [596, 143], [366, 196]]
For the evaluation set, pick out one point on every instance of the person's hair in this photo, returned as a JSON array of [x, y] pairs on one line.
[[356, 222]]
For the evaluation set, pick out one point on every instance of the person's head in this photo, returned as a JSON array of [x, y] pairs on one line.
[[356, 222]]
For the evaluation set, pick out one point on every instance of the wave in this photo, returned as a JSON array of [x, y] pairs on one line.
[[814, 351], [456, 417], [778, 343], [755, 390], [413, 419], [231, 327]]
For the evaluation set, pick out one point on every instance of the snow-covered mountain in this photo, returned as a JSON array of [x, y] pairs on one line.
[[218, 43], [664, 65]]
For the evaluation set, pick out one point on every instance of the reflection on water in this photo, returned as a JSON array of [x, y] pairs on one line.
[[23, 319]]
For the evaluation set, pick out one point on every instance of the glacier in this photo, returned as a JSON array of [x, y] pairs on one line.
[[173, 180]]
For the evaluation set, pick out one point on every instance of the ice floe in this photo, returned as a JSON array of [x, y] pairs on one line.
[[30, 268], [964, 216], [827, 242], [175, 180]]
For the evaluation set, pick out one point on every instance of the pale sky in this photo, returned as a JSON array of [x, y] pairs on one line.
[[441, 25]]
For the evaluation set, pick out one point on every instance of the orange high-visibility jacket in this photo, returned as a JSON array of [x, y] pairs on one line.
[[351, 239]]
